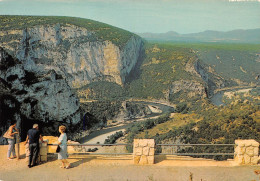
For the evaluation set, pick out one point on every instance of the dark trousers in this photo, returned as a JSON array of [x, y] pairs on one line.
[[34, 151]]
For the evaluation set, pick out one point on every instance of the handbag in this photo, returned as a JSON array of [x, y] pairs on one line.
[[58, 149], [7, 135]]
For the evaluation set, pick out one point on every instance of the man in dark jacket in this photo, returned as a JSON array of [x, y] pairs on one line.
[[33, 135]]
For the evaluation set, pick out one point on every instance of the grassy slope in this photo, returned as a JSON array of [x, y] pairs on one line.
[[103, 31], [176, 120]]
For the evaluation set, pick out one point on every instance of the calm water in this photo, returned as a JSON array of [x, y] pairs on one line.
[[217, 98]]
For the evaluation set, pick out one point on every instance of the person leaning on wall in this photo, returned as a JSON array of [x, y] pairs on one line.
[[33, 136], [11, 141]]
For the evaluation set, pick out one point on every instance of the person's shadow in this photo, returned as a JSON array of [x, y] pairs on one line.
[[81, 161]]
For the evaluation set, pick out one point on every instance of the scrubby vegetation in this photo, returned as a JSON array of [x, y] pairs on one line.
[[141, 127], [207, 125], [162, 65], [102, 110], [243, 58], [102, 90], [112, 139]]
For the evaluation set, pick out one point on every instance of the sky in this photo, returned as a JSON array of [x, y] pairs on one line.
[[156, 16]]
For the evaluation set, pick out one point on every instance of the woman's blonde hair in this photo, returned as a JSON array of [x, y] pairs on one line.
[[62, 128]]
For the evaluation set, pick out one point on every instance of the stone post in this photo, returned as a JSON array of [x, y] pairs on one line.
[[246, 152], [143, 151], [17, 146], [44, 151]]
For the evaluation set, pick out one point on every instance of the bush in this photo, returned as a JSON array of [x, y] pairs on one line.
[[92, 150], [182, 108], [112, 139]]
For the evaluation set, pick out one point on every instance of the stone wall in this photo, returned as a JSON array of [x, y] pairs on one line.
[[43, 151], [246, 152], [144, 151]]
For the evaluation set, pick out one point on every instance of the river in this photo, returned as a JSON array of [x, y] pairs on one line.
[[217, 98], [101, 135]]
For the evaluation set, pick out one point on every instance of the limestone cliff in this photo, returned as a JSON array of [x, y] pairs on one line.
[[191, 88], [203, 83], [34, 97], [48, 57], [210, 78], [72, 51]]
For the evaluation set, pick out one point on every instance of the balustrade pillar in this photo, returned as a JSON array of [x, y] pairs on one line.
[[246, 152], [43, 151], [143, 151]]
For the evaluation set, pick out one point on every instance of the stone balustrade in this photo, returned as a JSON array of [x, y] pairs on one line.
[[43, 151], [143, 151], [246, 152]]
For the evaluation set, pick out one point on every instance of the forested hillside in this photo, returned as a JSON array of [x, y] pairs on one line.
[[238, 62], [162, 65]]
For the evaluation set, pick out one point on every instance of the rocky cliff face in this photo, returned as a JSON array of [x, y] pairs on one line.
[[73, 52], [46, 61], [205, 81], [191, 88], [210, 78], [28, 97]]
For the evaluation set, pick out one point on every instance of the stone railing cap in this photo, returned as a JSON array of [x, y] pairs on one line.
[[246, 142]]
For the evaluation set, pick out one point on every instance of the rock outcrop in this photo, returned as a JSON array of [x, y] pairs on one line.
[[73, 52], [29, 97], [192, 88], [212, 80]]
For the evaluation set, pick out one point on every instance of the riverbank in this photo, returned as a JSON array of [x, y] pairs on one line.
[[217, 98], [100, 135]]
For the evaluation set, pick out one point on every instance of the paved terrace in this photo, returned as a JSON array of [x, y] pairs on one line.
[[121, 168]]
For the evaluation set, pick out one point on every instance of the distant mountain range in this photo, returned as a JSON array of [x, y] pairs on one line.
[[239, 36]]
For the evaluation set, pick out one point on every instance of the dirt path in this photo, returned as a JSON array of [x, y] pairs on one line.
[[109, 168]]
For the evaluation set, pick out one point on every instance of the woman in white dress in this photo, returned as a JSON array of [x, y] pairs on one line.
[[63, 154]]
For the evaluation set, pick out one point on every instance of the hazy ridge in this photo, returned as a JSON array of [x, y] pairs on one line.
[[234, 36]]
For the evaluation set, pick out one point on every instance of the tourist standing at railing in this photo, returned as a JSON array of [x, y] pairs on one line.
[[63, 153], [33, 136], [11, 141]]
